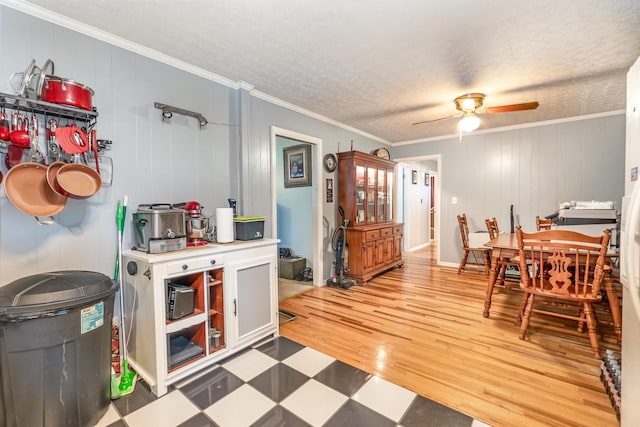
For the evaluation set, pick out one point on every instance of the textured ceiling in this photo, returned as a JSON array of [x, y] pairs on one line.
[[380, 65]]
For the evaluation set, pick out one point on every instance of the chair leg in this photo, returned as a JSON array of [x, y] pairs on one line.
[[463, 261], [503, 272], [523, 305], [592, 328], [527, 315], [582, 321], [487, 263]]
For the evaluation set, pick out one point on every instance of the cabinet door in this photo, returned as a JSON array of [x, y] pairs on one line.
[[384, 251], [360, 195], [389, 198], [368, 255], [397, 247], [253, 307], [381, 190], [371, 194]]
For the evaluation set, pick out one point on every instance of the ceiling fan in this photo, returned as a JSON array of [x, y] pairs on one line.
[[470, 105]]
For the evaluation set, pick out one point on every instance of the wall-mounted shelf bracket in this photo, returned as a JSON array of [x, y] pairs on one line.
[[168, 110]]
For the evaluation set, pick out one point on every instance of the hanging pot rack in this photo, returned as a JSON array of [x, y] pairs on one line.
[[15, 102]]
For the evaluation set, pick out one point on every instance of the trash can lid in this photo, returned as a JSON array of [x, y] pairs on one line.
[[47, 293]]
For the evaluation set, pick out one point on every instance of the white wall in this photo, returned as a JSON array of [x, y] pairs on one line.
[[532, 168]]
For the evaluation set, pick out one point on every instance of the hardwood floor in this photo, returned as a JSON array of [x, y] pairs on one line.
[[421, 327]]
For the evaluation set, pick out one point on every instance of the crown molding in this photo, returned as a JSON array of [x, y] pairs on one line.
[[104, 36], [297, 109]]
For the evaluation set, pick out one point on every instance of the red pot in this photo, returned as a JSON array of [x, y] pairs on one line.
[[65, 91]]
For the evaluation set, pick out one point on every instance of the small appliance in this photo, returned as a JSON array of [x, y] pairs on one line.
[[180, 300], [197, 225], [159, 228]]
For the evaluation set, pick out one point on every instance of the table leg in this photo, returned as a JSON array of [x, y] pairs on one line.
[[612, 296], [493, 275]]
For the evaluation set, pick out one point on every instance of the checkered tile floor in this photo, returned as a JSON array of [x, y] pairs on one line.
[[281, 383]]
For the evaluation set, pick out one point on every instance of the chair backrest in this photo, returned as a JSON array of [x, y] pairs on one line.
[[543, 224], [492, 227], [464, 230], [562, 263]]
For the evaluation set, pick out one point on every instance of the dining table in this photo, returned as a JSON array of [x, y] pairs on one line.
[[505, 245]]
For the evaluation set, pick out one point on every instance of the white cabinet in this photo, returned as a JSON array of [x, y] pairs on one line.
[[230, 295], [251, 307]]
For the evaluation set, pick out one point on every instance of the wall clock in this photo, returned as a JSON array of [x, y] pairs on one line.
[[330, 162], [383, 153]]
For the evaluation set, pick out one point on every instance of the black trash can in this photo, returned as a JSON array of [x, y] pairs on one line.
[[55, 349]]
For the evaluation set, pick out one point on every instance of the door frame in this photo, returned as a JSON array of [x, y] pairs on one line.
[[316, 143]]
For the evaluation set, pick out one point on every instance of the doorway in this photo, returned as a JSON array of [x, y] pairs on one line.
[[297, 209], [433, 165]]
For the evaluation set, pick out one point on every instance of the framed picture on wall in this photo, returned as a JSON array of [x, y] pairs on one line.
[[297, 166], [414, 176]]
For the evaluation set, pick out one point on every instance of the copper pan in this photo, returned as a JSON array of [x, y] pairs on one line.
[[52, 172], [78, 181], [27, 189]]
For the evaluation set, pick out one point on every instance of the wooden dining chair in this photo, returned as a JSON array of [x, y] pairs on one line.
[[566, 271], [483, 252], [505, 263], [543, 224]]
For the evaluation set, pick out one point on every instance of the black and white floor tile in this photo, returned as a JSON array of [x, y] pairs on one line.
[[281, 383]]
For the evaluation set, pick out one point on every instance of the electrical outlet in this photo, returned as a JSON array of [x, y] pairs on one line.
[[454, 200]]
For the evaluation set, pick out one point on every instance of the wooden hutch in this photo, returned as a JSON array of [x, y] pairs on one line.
[[365, 192]]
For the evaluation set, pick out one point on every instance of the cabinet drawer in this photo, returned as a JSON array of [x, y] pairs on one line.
[[398, 229], [371, 235], [194, 264], [386, 232]]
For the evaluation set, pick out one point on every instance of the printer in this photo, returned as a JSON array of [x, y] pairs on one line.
[[588, 217]]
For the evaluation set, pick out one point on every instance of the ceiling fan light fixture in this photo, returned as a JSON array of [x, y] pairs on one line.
[[469, 123], [468, 104]]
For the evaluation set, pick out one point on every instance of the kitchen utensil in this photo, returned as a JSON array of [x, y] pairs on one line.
[[93, 143], [27, 189], [53, 149], [4, 126], [77, 181], [52, 173], [105, 167], [20, 138], [20, 81], [35, 152], [14, 156], [72, 140], [38, 77], [19, 134], [59, 90]]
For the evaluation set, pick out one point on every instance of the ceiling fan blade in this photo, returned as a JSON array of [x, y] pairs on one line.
[[437, 120], [510, 108]]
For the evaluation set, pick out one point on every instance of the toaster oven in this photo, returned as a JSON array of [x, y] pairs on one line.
[[159, 228]]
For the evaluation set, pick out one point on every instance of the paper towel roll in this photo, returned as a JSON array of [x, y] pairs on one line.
[[224, 225]]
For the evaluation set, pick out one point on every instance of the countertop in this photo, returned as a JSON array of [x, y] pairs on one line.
[[208, 249]]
